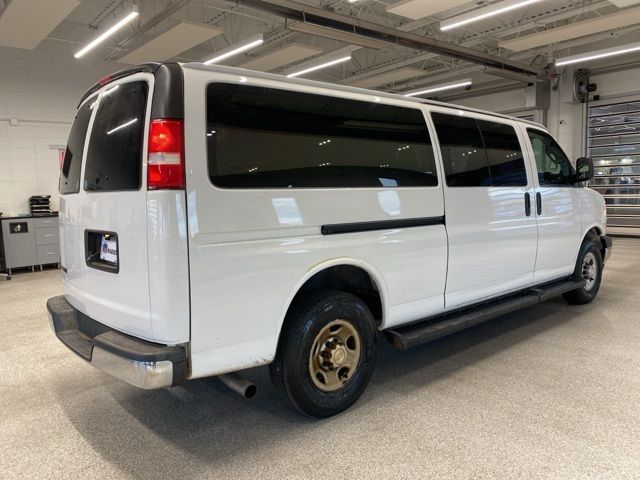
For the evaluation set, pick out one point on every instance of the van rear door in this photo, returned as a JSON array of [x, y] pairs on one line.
[[103, 207]]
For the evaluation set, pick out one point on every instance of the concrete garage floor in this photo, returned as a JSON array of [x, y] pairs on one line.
[[549, 392]]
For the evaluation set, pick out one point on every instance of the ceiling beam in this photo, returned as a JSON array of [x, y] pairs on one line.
[[478, 39], [391, 36]]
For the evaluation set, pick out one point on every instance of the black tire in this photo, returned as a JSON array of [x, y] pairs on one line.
[[306, 319], [590, 249]]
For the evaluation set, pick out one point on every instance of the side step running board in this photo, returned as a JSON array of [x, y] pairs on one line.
[[423, 331]]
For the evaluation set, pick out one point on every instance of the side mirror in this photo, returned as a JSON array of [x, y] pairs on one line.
[[584, 169]]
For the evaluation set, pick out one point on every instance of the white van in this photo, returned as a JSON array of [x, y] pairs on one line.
[[214, 219]]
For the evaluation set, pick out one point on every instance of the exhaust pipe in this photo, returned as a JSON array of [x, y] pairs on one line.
[[239, 384]]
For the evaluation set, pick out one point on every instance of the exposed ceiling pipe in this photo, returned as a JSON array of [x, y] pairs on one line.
[[324, 18], [511, 75]]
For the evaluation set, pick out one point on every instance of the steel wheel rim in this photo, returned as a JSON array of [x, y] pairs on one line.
[[589, 270], [334, 356]]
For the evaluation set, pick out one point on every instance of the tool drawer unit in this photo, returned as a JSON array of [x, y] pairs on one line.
[[28, 241]]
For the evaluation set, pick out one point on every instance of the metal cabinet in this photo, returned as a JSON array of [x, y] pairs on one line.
[[29, 241]]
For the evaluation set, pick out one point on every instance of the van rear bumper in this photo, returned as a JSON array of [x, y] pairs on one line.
[[138, 362]]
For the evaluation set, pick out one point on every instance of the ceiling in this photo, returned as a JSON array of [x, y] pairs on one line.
[[194, 30]]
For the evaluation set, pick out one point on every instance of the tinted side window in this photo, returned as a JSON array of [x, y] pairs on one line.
[[504, 154], [554, 168], [70, 168], [114, 157], [270, 138], [465, 163]]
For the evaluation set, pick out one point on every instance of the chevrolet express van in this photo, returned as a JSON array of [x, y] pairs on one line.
[[213, 219]]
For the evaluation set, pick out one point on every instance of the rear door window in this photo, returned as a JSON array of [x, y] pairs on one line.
[[114, 156], [72, 162]]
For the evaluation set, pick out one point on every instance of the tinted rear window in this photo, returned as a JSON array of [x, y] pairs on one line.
[[479, 153], [114, 157], [465, 163], [504, 154], [269, 138], [72, 163]]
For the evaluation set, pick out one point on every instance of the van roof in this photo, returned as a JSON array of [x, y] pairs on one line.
[[154, 66], [344, 88]]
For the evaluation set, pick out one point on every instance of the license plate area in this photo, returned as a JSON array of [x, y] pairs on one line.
[[102, 250]]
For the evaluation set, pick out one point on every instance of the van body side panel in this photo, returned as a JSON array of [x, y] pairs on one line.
[[592, 210], [168, 265], [251, 249]]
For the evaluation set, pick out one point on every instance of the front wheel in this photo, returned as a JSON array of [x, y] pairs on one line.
[[326, 354], [589, 269]]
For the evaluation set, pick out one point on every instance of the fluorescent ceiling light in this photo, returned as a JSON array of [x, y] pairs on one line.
[[107, 34], [324, 64], [236, 48], [601, 24], [607, 52], [482, 13], [179, 38], [417, 9], [439, 88]]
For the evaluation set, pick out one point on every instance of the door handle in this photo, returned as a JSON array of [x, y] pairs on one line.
[[527, 204], [538, 203]]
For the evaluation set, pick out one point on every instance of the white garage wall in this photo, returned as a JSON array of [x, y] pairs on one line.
[[565, 117], [40, 90], [618, 83]]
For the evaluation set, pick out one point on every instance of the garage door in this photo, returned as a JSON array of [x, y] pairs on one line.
[[614, 145]]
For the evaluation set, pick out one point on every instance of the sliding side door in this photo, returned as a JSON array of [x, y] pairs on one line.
[[492, 233]]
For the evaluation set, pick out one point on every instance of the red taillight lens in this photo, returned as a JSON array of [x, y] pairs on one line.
[[165, 162]]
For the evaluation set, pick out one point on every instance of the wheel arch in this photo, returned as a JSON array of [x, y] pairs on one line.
[[345, 274], [595, 231]]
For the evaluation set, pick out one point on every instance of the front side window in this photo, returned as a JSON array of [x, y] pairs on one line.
[[114, 156], [72, 162], [554, 168], [261, 137]]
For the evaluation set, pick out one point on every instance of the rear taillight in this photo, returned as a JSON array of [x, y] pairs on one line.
[[165, 162]]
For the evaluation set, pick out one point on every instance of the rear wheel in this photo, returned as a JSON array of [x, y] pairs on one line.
[[589, 269], [326, 353]]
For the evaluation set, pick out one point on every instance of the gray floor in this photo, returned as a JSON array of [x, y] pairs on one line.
[[550, 392]]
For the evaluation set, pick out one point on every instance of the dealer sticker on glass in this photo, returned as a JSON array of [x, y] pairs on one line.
[[109, 250]]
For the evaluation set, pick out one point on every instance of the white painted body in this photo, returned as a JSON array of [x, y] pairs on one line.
[[218, 268]]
